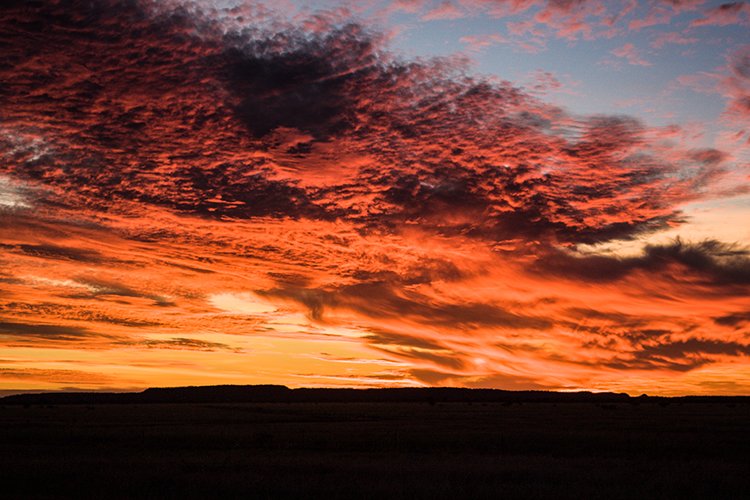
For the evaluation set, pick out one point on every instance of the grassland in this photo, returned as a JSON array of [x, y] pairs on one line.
[[376, 450]]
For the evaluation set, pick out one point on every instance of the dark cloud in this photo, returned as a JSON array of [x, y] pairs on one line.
[[660, 364], [179, 110], [71, 312], [395, 339], [298, 81], [100, 288], [735, 320], [55, 332], [710, 262], [695, 346], [102, 97], [9, 279], [445, 358], [683, 355], [47, 251], [383, 300], [179, 343], [617, 318]]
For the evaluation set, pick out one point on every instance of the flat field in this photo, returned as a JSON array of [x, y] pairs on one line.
[[376, 450]]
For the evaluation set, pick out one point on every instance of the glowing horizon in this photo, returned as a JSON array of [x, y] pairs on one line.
[[520, 194]]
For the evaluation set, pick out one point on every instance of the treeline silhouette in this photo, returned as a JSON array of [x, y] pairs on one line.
[[282, 394]]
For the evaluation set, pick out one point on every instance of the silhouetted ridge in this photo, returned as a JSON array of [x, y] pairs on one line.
[[282, 394], [216, 394]]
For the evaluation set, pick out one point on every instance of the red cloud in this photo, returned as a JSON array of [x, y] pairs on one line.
[[732, 82], [445, 10], [737, 84], [573, 19]]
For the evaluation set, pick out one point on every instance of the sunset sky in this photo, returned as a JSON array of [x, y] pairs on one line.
[[517, 194]]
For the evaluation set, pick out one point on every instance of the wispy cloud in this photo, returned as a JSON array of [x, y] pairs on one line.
[[630, 54]]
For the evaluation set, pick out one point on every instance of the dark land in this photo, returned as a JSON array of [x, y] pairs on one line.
[[274, 442]]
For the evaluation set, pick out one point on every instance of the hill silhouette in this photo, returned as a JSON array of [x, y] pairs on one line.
[[283, 394]]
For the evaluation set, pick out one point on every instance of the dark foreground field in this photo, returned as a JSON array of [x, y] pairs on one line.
[[376, 450]]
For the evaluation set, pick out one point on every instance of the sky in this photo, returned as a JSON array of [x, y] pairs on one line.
[[515, 194]]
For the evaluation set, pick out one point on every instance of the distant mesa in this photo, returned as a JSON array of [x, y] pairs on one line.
[[282, 394]]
